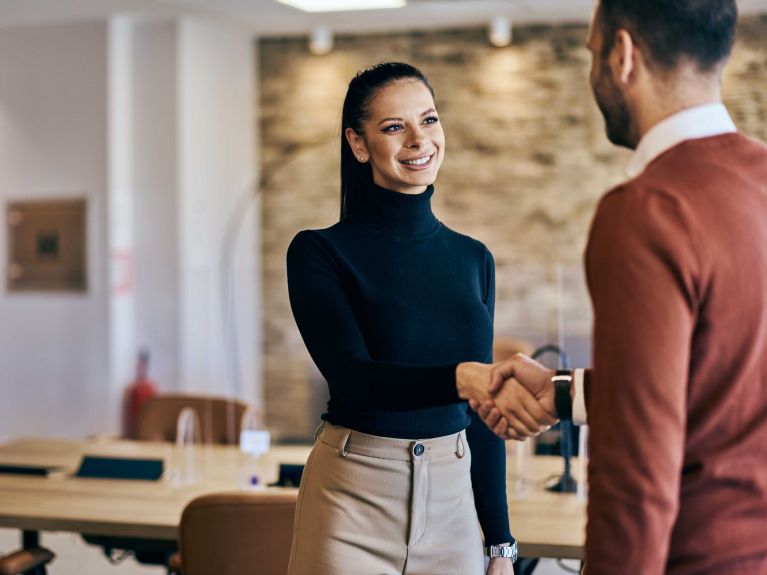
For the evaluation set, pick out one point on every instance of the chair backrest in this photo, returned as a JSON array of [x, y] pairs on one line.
[[236, 533], [219, 418]]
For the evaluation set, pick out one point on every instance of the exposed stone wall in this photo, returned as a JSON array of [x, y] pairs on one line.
[[527, 161]]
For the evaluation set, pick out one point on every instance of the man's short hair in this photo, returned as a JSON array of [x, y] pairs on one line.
[[672, 31]]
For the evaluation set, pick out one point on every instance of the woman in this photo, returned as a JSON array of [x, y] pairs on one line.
[[389, 302]]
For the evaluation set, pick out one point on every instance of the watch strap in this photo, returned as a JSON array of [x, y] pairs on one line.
[[563, 382], [506, 551]]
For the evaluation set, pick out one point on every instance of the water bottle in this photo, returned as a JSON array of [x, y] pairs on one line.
[[254, 442]]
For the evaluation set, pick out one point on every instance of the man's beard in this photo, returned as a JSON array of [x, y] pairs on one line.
[[613, 106]]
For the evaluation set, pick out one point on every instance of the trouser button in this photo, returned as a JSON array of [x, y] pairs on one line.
[[419, 449]]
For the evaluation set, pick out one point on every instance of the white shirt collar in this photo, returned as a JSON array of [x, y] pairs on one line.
[[690, 124]]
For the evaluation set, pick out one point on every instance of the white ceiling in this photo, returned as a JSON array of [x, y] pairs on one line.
[[267, 17]]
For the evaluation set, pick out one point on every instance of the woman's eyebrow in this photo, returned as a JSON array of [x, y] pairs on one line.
[[390, 120], [426, 113]]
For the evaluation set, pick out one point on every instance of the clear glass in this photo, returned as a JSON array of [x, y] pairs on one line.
[[519, 468], [186, 468]]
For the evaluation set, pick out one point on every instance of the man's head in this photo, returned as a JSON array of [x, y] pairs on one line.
[[646, 52]]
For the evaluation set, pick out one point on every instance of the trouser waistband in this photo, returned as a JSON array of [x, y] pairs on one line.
[[350, 441]]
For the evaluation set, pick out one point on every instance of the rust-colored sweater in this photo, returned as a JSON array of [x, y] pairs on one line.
[[677, 399]]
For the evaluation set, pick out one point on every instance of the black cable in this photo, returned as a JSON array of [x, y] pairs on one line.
[[566, 483], [563, 567], [564, 360]]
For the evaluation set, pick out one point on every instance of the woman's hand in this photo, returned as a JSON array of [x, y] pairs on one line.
[[500, 566], [472, 379]]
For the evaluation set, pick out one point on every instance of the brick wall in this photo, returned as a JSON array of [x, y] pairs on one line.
[[526, 162]]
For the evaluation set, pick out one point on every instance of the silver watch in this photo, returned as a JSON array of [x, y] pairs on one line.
[[508, 551]]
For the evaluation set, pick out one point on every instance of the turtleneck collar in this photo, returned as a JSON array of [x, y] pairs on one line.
[[397, 213]]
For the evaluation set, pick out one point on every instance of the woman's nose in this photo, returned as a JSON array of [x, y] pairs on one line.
[[415, 138]]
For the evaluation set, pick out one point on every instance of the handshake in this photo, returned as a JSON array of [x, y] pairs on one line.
[[515, 397]]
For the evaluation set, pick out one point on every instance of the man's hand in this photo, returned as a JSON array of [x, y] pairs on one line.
[[523, 399]]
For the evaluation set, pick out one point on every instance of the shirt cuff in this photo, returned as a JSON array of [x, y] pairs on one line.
[[580, 417]]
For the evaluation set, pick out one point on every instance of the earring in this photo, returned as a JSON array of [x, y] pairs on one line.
[[360, 158]]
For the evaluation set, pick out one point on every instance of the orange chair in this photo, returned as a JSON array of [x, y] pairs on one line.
[[219, 418], [237, 532], [30, 561]]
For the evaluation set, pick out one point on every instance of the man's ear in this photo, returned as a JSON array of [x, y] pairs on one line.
[[623, 58], [357, 144]]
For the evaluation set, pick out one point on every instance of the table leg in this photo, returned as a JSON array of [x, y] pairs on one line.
[[29, 540]]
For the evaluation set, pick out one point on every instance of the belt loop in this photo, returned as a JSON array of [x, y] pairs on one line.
[[343, 445], [460, 448], [318, 431]]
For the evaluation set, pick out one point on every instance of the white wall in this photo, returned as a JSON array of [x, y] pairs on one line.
[[155, 167], [154, 122], [216, 177], [53, 143]]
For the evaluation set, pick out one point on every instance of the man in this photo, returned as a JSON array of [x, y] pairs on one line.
[[677, 271]]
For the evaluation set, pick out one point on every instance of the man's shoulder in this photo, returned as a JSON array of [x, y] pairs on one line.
[[693, 169], [699, 163]]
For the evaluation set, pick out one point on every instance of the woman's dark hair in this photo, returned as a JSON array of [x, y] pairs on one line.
[[701, 31], [355, 176]]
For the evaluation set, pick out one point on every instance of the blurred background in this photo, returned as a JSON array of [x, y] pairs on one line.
[[157, 157], [170, 150]]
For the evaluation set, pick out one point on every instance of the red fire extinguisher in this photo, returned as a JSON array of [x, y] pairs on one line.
[[140, 390]]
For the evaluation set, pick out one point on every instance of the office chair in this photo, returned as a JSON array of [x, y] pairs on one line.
[[30, 561], [237, 532], [219, 417]]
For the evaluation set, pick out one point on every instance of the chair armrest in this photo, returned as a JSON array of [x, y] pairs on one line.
[[174, 564], [24, 560]]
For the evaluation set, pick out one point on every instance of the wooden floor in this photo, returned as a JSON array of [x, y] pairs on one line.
[[73, 557]]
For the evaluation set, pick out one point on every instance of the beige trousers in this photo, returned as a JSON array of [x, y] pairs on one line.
[[373, 505]]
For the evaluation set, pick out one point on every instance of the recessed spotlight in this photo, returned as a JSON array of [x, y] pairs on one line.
[[499, 32], [342, 5], [321, 41]]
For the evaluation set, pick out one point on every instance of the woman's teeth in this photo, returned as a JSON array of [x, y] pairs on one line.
[[418, 162]]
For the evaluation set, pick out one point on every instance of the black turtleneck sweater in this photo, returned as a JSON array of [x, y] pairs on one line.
[[388, 302]]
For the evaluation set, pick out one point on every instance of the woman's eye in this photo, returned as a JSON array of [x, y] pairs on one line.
[[431, 120], [393, 128]]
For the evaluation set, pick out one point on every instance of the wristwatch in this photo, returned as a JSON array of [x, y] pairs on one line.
[[508, 551], [563, 382]]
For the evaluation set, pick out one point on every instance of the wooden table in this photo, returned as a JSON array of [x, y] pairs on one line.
[[545, 524]]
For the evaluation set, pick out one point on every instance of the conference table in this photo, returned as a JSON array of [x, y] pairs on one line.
[[545, 524]]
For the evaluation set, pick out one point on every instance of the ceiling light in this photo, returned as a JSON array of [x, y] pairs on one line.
[[321, 41], [342, 5], [499, 32]]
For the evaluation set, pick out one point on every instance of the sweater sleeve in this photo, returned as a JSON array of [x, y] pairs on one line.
[[332, 335], [488, 455], [643, 276], [488, 480]]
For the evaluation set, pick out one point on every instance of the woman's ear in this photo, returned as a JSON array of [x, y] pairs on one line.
[[357, 144]]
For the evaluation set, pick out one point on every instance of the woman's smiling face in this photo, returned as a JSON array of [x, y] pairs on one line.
[[402, 137]]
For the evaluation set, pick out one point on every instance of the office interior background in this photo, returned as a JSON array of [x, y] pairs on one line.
[[202, 135]]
